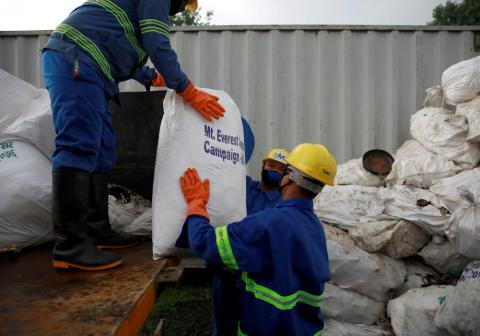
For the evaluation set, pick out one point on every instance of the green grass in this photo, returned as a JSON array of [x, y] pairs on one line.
[[186, 310]]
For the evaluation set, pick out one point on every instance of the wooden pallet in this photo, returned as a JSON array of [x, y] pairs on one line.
[[37, 300]]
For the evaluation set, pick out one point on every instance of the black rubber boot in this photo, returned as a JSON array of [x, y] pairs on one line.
[[74, 248], [98, 220]]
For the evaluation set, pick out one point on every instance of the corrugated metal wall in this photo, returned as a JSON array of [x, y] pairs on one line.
[[351, 88]]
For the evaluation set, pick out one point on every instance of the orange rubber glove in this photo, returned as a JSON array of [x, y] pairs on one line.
[[158, 81], [196, 192], [205, 104]]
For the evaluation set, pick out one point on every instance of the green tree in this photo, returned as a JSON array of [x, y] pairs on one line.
[[186, 18], [466, 12]]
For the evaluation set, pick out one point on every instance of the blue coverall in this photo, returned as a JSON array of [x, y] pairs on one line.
[[257, 200], [227, 284], [282, 255], [100, 44]]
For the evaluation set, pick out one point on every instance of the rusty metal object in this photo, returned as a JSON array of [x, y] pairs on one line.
[[378, 162], [37, 300]]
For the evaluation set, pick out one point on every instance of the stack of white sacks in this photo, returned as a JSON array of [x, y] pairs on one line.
[[397, 246], [26, 146]]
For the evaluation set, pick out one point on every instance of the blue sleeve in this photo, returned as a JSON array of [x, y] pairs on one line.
[[153, 19], [248, 139], [145, 75], [240, 246], [251, 193]]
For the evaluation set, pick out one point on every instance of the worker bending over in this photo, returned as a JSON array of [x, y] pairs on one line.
[[100, 44], [281, 252]]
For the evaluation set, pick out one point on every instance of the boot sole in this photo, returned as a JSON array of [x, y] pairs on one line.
[[117, 246], [66, 265]]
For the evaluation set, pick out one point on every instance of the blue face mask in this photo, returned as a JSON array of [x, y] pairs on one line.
[[271, 178]]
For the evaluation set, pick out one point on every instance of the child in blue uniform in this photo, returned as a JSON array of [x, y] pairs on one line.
[[100, 44], [281, 252]]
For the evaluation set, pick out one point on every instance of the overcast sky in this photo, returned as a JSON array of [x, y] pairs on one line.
[[46, 14]]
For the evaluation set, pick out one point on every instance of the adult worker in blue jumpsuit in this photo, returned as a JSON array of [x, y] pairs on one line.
[[100, 44], [281, 252], [260, 195], [265, 194]]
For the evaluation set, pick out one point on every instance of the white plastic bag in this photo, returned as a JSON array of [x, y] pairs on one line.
[[373, 236], [346, 206], [25, 114], [347, 306], [120, 216], [337, 328], [397, 238], [461, 194], [215, 149], [452, 190], [466, 231], [471, 111], [420, 207], [352, 268], [142, 225], [353, 173], [125, 207], [459, 312], [25, 195], [460, 82], [445, 133], [416, 166], [418, 275], [444, 258], [413, 313]]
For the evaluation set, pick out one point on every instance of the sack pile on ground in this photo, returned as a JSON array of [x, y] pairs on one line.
[[397, 246]]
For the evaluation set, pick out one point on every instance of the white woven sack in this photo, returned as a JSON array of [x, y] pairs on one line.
[[215, 149], [445, 133], [25, 195]]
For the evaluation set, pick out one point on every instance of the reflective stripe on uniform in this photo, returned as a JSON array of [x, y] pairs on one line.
[[88, 45], [124, 21], [279, 301], [154, 26], [224, 247], [240, 332]]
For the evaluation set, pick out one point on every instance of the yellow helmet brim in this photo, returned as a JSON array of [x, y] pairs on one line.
[[277, 154]]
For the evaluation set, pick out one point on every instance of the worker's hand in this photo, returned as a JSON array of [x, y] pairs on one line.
[[205, 104], [196, 192], [158, 81]]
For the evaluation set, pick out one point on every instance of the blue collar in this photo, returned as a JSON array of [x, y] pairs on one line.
[[302, 203], [271, 195]]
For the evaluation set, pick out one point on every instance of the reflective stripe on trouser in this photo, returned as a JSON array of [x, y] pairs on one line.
[[81, 114]]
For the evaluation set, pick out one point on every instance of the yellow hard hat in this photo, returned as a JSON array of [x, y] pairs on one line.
[[277, 154], [192, 6], [315, 161]]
